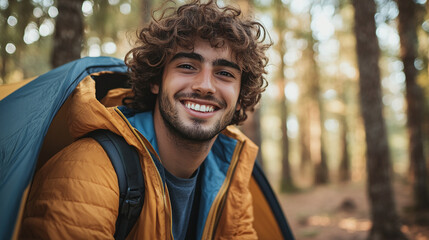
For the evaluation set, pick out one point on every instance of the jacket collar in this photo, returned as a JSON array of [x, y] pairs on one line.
[[143, 122]]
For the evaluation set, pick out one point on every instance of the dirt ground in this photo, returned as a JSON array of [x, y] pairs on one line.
[[340, 212]]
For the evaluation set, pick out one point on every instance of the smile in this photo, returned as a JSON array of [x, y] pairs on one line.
[[199, 107]]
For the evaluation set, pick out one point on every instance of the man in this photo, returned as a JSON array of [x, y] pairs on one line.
[[194, 72]]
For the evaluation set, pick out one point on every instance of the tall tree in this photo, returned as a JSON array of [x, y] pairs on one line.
[[304, 129], [280, 26], [385, 220], [146, 10], [305, 112], [344, 173], [68, 38], [344, 87], [321, 174], [407, 27], [311, 121], [3, 41], [13, 34], [344, 167]]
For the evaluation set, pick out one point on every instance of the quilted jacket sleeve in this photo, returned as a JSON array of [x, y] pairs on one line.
[[73, 196]]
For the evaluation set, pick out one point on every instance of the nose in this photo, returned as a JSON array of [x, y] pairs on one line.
[[204, 83]]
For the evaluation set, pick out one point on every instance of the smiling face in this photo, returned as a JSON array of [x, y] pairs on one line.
[[198, 95]]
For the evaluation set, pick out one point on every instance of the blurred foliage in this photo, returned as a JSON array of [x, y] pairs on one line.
[[27, 29]]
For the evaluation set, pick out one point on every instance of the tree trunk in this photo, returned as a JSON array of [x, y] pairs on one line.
[[68, 36], [414, 95], [344, 169], [287, 183], [3, 70], [4, 39], [286, 176], [146, 11], [385, 221], [304, 132], [321, 173]]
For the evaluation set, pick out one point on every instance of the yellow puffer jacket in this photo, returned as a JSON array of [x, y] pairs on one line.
[[75, 195]]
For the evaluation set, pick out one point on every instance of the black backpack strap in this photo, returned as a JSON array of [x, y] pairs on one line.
[[125, 160]]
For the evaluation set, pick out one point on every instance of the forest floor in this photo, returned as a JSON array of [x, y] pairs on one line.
[[341, 212]]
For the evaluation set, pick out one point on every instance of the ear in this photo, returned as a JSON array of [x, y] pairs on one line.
[[238, 107], [154, 88]]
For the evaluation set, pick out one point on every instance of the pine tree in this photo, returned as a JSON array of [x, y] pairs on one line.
[[385, 221]]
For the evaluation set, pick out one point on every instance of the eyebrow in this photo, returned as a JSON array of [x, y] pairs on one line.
[[226, 63], [198, 57]]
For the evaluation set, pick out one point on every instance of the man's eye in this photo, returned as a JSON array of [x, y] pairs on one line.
[[226, 74], [186, 66]]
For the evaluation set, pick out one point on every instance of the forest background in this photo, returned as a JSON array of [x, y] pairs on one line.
[[343, 125]]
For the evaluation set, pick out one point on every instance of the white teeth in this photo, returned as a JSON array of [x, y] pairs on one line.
[[199, 108]]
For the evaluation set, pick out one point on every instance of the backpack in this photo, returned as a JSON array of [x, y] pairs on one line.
[[125, 161]]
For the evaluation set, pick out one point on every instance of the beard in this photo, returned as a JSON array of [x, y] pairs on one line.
[[195, 132]]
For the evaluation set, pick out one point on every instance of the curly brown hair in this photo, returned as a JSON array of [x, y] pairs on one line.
[[180, 27]]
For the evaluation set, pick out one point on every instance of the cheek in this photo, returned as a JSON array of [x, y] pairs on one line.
[[238, 106], [174, 83], [233, 94]]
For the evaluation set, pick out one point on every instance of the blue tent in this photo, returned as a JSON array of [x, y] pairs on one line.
[[26, 116]]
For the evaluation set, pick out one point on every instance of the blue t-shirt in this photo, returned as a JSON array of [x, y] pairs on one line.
[[181, 190]]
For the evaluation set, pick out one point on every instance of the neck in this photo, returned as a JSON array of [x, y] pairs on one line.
[[181, 157]]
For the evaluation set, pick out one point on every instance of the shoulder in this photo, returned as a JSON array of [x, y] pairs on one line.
[[74, 194], [248, 149], [82, 166], [233, 132], [77, 159]]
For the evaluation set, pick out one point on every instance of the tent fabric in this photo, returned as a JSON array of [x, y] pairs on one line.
[[267, 211], [8, 88], [24, 120]]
